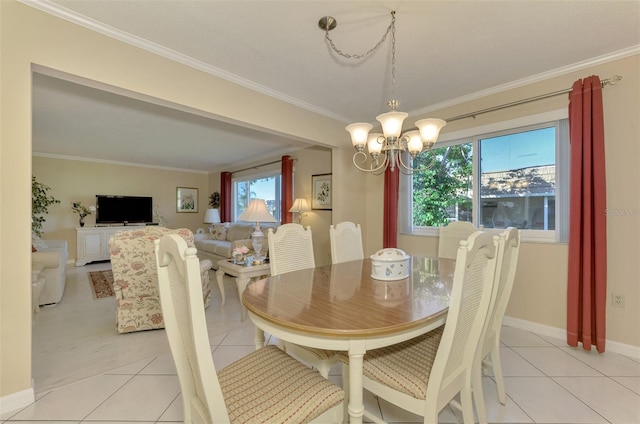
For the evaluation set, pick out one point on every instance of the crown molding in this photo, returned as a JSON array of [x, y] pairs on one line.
[[114, 162], [71, 16], [76, 18], [609, 57]]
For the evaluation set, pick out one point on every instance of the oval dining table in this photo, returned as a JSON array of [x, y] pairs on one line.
[[341, 307]]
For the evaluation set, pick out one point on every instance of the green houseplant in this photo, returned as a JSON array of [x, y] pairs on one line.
[[82, 211], [214, 200], [40, 202]]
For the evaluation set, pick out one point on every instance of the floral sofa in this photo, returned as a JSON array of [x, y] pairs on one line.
[[225, 237], [135, 278]]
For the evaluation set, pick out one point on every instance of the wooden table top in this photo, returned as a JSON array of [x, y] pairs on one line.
[[343, 300]]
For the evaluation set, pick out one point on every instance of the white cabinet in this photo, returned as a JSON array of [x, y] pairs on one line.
[[92, 243]]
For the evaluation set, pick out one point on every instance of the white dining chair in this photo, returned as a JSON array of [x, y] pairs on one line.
[[346, 242], [450, 236], [291, 249], [424, 374], [489, 347], [265, 386]]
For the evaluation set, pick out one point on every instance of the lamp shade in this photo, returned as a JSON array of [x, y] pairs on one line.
[[359, 132], [375, 143], [430, 129], [300, 205], [257, 212], [392, 123], [212, 216], [414, 145]]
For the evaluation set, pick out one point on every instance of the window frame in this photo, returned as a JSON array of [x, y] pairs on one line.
[[252, 177], [557, 118]]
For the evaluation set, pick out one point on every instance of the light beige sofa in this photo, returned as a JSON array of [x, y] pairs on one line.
[[135, 277], [224, 238], [53, 255]]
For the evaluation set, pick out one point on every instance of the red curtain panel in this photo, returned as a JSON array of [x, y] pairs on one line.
[[225, 196], [587, 276], [287, 189], [390, 217]]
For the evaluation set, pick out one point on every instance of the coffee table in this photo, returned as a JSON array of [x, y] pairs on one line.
[[243, 275]]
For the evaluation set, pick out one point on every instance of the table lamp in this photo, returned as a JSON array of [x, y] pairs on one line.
[[212, 216], [299, 206], [257, 212]]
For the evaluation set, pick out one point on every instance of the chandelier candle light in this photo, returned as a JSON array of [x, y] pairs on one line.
[[393, 143], [257, 212]]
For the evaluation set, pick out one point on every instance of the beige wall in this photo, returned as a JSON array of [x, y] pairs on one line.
[[540, 288], [307, 162], [313, 161], [75, 180], [28, 37]]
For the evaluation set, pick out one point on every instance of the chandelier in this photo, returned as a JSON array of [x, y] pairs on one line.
[[392, 142]]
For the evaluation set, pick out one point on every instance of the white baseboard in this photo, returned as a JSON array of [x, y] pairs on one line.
[[17, 401], [560, 333]]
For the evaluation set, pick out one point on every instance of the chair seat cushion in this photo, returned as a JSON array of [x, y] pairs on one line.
[[320, 354], [405, 366], [257, 389]]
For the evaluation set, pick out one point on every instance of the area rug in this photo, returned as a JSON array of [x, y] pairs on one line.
[[102, 283]]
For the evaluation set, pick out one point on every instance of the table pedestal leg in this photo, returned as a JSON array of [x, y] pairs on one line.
[[356, 402], [219, 277], [242, 282], [258, 338]]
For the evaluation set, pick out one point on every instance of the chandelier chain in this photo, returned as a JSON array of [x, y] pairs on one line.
[[390, 28], [393, 103]]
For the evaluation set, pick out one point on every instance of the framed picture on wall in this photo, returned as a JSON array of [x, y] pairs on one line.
[[186, 199], [321, 191]]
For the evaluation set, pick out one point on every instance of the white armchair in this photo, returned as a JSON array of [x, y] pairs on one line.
[[54, 258]]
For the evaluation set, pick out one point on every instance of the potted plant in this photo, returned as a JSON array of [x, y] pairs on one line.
[[81, 210], [40, 202], [214, 200]]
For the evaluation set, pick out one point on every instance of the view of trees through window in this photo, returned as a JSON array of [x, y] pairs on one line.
[[443, 191], [267, 188], [516, 183]]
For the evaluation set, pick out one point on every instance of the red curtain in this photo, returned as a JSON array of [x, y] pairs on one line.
[[287, 189], [225, 196], [587, 277], [390, 218]]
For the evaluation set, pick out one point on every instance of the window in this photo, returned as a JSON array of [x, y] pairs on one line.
[[263, 186], [515, 177]]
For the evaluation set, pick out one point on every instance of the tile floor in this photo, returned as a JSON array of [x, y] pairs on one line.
[[546, 381]]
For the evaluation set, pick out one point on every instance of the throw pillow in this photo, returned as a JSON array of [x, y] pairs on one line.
[[219, 232], [37, 242]]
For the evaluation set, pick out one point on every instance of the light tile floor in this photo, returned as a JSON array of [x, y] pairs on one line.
[[546, 381]]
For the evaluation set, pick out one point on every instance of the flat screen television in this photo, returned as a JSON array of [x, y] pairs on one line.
[[123, 209]]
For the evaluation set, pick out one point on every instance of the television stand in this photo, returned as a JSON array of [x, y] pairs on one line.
[[92, 243]]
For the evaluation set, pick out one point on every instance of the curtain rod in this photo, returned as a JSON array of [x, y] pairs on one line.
[[257, 166], [609, 81]]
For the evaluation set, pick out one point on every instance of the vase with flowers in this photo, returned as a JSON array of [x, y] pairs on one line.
[[82, 211], [239, 254]]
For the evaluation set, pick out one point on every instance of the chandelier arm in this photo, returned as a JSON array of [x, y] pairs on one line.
[[411, 170], [382, 166], [370, 51]]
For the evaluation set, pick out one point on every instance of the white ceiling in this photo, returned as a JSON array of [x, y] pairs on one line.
[[445, 51]]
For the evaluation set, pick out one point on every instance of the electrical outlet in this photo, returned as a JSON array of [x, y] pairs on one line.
[[617, 300]]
